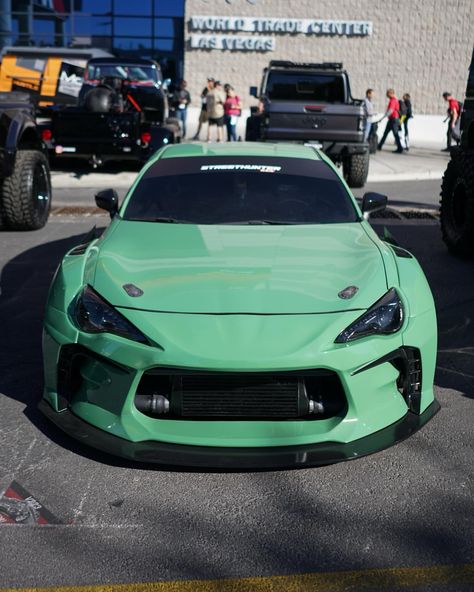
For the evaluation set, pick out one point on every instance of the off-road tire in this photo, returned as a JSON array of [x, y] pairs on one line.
[[26, 193], [356, 169], [457, 204], [373, 143], [2, 217]]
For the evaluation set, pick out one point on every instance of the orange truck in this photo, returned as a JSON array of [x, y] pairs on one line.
[[53, 75]]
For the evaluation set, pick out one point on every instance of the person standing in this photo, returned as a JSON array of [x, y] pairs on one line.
[[215, 110], [203, 118], [405, 115], [369, 111], [453, 117], [232, 110], [180, 101], [393, 121]]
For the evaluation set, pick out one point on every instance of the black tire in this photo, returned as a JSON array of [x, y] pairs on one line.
[[457, 204], [373, 143], [26, 194], [356, 169], [2, 217], [175, 133], [252, 129]]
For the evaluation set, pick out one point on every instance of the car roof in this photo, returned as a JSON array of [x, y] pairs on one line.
[[236, 149]]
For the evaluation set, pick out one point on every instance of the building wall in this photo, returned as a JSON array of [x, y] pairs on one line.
[[418, 46]]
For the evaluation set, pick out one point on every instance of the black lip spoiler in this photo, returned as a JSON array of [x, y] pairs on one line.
[[223, 458]]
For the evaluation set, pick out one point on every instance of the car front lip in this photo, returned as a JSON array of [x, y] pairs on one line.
[[233, 458]]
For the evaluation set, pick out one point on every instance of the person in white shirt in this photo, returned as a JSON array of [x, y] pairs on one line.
[[369, 112]]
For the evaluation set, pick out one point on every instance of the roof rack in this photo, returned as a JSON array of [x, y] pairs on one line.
[[321, 66]]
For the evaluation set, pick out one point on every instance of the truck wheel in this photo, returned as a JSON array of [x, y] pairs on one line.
[[174, 133], [356, 168], [26, 194], [252, 129], [373, 142], [457, 205], [2, 217]]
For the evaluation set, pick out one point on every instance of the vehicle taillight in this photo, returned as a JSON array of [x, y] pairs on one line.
[[46, 135], [145, 137]]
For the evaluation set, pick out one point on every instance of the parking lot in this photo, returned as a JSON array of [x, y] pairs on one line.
[[406, 511]]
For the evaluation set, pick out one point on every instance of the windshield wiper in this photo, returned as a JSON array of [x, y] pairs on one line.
[[261, 222], [160, 219]]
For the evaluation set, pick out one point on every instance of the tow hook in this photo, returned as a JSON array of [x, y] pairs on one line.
[[95, 161]]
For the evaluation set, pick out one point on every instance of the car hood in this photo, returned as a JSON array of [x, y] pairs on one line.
[[185, 268]]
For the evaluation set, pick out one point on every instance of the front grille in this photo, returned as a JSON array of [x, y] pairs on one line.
[[234, 396], [171, 394]]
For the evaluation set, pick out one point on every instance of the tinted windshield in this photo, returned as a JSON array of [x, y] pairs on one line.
[[139, 74], [226, 190], [303, 86]]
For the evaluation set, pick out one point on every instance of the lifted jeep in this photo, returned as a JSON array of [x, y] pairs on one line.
[[25, 183], [312, 103]]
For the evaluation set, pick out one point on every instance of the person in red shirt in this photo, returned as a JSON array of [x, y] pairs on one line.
[[232, 110], [393, 121], [453, 117]]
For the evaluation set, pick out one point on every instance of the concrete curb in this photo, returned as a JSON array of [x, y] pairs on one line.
[[391, 178]]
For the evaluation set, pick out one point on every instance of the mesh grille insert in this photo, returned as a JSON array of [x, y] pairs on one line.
[[230, 395]]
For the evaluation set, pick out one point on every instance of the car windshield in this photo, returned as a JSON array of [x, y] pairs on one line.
[[226, 190], [134, 73], [303, 86]]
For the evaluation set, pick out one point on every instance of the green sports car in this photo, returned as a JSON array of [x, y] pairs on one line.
[[239, 312]]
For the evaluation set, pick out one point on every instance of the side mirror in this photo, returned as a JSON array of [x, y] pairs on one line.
[[373, 202], [107, 200], [253, 91]]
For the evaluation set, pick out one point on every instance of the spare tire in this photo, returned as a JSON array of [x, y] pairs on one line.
[[99, 100]]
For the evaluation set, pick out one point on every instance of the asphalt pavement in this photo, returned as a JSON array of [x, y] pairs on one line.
[[407, 508]]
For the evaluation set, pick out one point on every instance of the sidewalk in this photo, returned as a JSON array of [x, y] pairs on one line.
[[419, 164]]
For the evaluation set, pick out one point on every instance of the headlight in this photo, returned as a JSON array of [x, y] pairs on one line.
[[93, 315], [383, 318]]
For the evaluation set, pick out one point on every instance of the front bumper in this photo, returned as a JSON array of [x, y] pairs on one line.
[[279, 457]]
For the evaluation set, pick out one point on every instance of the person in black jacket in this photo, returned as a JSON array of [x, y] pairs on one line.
[[406, 113]]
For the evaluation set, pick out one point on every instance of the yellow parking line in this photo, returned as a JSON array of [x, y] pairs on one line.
[[342, 581]]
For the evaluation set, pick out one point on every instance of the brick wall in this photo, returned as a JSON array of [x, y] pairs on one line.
[[418, 46]]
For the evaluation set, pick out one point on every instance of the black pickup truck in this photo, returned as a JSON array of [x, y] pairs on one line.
[[25, 183], [312, 103], [99, 129]]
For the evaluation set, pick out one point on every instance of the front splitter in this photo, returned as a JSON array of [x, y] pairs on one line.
[[230, 458]]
